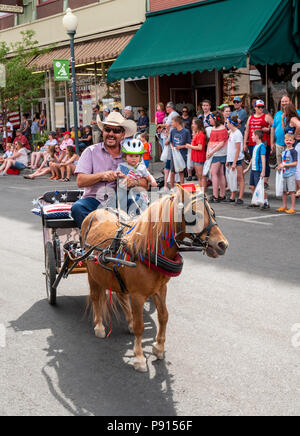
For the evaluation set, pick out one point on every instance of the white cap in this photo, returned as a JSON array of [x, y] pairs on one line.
[[259, 103], [128, 108]]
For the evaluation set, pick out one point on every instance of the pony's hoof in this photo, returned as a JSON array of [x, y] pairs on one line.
[[140, 365], [100, 332], [157, 352]]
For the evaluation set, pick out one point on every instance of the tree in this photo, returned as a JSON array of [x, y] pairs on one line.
[[23, 85]]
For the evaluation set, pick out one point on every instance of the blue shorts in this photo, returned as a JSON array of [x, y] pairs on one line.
[[217, 159], [146, 162], [238, 164], [168, 165], [18, 166], [198, 163], [254, 178]]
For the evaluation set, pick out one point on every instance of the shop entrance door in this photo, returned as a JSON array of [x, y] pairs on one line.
[[206, 93]]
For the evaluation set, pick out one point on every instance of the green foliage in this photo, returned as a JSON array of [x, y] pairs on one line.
[[23, 85], [40, 139]]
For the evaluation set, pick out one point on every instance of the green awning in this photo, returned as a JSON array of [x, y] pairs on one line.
[[212, 34]]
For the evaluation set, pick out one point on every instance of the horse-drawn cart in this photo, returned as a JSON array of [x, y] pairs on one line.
[[59, 229]]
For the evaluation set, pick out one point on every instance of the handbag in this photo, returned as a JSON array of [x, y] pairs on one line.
[[259, 193], [179, 162], [279, 183], [207, 166], [165, 154], [231, 177]]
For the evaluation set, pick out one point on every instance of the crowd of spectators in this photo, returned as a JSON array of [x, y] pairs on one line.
[[213, 145]]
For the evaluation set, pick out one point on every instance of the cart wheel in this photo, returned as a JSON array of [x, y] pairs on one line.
[[50, 265]]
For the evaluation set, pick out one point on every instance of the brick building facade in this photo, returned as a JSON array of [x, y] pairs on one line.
[[158, 5]]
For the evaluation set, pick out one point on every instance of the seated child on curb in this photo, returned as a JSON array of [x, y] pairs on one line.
[[9, 152], [258, 166], [289, 168], [68, 164]]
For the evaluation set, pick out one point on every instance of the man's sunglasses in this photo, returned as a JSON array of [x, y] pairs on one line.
[[115, 130]]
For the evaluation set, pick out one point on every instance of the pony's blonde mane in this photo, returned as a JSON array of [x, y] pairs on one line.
[[155, 222]]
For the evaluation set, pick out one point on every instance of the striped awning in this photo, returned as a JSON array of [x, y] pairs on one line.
[[85, 52]]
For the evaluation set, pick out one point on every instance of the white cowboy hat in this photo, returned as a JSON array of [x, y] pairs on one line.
[[117, 120]]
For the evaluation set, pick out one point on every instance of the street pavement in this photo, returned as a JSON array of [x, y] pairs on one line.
[[230, 346]]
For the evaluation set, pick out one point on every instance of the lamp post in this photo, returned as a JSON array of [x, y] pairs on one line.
[[70, 23]]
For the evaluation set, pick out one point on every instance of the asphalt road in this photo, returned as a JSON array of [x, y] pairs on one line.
[[230, 347]]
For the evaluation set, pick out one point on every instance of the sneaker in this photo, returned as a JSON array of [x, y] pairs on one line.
[[222, 199], [214, 200], [265, 207], [239, 201], [252, 206], [291, 211], [189, 179], [230, 200], [281, 210]]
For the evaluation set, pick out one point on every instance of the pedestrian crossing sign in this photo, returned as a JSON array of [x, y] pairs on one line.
[[61, 69]]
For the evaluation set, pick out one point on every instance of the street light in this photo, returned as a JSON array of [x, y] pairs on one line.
[[70, 23]]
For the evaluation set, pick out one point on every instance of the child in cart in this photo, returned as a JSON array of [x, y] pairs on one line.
[[133, 168]]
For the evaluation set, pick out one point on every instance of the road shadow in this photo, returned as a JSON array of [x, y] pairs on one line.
[[90, 376]]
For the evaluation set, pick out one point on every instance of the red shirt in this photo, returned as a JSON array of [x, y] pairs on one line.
[[24, 141], [197, 155], [258, 123]]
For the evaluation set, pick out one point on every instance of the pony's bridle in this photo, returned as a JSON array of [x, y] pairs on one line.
[[196, 238]]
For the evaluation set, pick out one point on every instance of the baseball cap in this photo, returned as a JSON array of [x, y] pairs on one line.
[[237, 100], [259, 103], [67, 133], [222, 106], [106, 110], [128, 108]]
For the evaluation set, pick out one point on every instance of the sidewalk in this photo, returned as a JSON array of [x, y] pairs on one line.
[[157, 167]]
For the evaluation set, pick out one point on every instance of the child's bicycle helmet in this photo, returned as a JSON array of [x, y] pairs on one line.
[[133, 146]]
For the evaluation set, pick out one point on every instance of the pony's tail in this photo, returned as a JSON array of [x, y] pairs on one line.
[[108, 305]]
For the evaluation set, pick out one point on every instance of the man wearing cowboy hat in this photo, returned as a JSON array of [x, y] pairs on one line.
[[97, 167]]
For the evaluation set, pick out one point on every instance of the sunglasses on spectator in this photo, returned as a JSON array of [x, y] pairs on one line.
[[115, 130]]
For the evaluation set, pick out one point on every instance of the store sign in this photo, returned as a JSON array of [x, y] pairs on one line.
[[61, 69], [2, 76], [12, 6]]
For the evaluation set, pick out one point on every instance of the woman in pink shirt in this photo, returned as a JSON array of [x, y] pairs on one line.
[[67, 141]]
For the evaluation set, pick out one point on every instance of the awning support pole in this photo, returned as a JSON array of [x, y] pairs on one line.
[[267, 88], [52, 101]]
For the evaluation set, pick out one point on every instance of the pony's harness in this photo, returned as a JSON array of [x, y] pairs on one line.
[[118, 254], [197, 243]]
